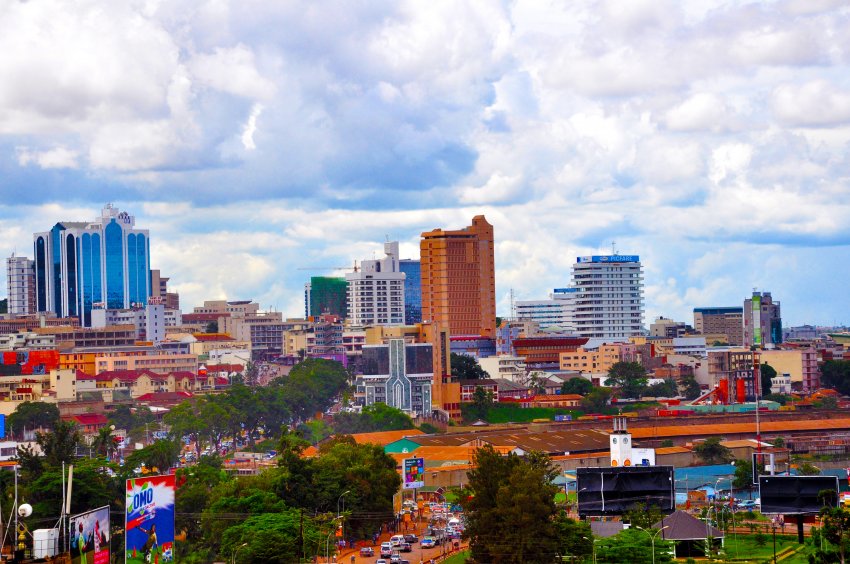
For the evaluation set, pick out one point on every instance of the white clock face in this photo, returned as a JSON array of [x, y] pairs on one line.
[[625, 440], [614, 440]]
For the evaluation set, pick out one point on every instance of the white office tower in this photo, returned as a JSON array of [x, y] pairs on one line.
[[20, 281], [557, 313], [376, 290], [609, 300], [620, 442]]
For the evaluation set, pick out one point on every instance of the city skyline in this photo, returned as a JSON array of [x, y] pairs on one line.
[[711, 140]]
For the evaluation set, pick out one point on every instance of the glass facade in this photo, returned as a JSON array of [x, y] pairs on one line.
[[419, 359], [412, 290], [376, 360], [79, 265], [114, 265], [40, 275]]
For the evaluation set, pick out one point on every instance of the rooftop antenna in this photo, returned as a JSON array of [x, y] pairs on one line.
[[613, 247]]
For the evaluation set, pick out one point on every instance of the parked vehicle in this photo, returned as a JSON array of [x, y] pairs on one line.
[[411, 538], [367, 551]]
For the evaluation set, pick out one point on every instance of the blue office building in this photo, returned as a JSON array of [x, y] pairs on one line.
[[83, 265], [412, 290]]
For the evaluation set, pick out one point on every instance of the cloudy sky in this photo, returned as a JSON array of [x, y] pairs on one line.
[[258, 138]]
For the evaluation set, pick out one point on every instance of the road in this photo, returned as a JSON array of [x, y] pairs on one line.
[[417, 556]]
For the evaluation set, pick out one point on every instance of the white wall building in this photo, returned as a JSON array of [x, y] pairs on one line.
[[556, 312], [20, 282], [691, 346], [506, 367], [376, 290], [609, 300]]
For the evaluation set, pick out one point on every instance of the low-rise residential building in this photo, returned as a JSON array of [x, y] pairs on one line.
[[73, 337], [468, 387], [801, 364], [599, 360], [156, 362], [508, 367]]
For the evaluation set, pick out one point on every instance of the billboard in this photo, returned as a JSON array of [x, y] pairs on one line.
[[797, 495], [615, 490], [609, 258], [90, 537], [414, 473], [756, 312], [149, 520]]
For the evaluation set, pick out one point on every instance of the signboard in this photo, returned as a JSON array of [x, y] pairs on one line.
[[149, 520], [756, 320], [414, 473], [90, 537], [609, 258], [616, 490], [2, 426], [800, 495]]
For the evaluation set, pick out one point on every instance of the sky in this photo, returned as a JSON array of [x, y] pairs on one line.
[[262, 142]]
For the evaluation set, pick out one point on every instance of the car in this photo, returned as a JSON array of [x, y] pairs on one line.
[[405, 547], [411, 538], [428, 542], [386, 552], [395, 559], [396, 540], [387, 544], [747, 504], [380, 561], [367, 551]]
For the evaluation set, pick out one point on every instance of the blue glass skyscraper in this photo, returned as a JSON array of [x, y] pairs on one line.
[[412, 290], [83, 265]]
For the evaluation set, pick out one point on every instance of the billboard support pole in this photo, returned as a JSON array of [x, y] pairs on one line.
[[800, 538]]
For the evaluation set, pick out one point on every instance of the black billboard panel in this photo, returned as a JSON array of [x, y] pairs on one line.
[[615, 490], [797, 495]]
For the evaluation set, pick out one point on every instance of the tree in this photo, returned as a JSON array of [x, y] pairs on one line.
[[276, 538], [465, 367], [828, 402], [160, 455], [212, 327], [768, 373], [311, 386], [597, 401], [579, 386], [60, 445], [376, 417], [575, 539], [836, 374], [510, 508], [665, 389], [629, 377], [643, 515], [185, 421], [808, 469], [712, 452], [778, 442], [33, 415], [633, 546], [92, 487], [689, 386], [743, 474], [482, 401], [836, 531]]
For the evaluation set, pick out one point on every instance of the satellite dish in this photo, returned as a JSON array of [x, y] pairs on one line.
[[24, 510]]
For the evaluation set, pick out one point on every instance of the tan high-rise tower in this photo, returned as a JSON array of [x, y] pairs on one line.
[[459, 279]]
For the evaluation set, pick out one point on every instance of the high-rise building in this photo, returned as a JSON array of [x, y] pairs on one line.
[[376, 290], [728, 321], [159, 289], [20, 282], [412, 290], [458, 279], [762, 321], [326, 295], [558, 312], [80, 264], [609, 301]]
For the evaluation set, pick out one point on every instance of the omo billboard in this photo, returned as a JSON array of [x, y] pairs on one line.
[[90, 537], [414, 473], [149, 520]]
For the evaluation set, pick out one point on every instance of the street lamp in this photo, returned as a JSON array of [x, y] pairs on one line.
[[652, 538], [593, 542], [235, 552], [340, 499]]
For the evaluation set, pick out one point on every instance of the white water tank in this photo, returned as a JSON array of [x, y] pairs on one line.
[[45, 543]]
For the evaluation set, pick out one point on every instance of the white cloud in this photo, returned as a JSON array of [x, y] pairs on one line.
[[815, 103], [58, 157], [232, 70]]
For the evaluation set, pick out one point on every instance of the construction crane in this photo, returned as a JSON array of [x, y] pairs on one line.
[[355, 268]]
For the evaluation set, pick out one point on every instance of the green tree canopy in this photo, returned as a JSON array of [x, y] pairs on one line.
[[580, 386], [276, 538], [162, 455], [464, 367], [768, 373], [376, 417], [482, 401], [629, 377], [311, 386], [597, 401], [61, 444], [743, 474], [633, 546], [510, 508], [689, 386], [33, 415], [836, 374], [575, 539], [712, 452], [665, 389]]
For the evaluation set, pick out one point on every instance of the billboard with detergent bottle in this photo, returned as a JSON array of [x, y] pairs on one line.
[[149, 520]]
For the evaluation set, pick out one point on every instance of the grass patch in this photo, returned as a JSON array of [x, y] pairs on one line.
[[458, 558], [744, 547], [502, 413]]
